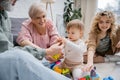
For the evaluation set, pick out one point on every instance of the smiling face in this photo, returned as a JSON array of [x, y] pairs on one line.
[[74, 34], [104, 24], [39, 19], [37, 13]]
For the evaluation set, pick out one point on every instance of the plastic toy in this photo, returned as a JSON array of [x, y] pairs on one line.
[[85, 78], [65, 71], [82, 79], [57, 69], [54, 64], [56, 56], [108, 78], [92, 76]]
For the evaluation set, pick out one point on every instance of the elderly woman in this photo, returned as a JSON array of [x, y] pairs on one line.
[[38, 31]]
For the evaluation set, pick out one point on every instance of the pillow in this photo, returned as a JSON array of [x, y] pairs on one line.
[[16, 24]]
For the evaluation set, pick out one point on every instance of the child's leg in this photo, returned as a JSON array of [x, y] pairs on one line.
[[77, 73]]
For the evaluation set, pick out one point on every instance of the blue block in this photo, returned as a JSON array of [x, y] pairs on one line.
[[95, 77], [105, 79], [52, 65], [110, 78]]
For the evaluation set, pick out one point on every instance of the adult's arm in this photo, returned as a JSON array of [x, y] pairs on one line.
[[91, 45], [52, 32], [118, 37], [17, 64]]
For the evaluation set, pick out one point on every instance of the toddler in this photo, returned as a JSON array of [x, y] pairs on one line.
[[74, 49]]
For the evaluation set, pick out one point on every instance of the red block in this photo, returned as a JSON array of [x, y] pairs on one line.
[[82, 79]]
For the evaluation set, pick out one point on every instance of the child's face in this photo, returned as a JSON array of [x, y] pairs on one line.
[[74, 34], [104, 24]]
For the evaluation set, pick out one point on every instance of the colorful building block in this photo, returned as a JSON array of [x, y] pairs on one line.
[[108, 78], [95, 77], [56, 56], [82, 79], [57, 69]]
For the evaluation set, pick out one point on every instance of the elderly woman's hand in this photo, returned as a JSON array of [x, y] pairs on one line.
[[53, 50]]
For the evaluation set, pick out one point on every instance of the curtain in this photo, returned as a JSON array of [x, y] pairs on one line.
[[88, 10]]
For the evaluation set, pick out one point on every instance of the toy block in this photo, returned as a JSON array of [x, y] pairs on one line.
[[92, 72], [95, 77], [108, 78], [56, 56], [52, 65], [68, 75], [82, 79], [65, 71], [87, 77], [105, 79], [57, 69]]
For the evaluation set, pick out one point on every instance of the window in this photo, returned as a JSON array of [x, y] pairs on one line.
[[111, 5]]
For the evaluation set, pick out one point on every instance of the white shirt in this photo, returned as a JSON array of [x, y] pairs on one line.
[[74, 50]]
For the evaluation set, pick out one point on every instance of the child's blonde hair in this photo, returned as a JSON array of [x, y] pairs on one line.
[[75, 23], [111, 18]]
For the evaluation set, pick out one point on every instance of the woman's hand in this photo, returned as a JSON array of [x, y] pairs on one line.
[[88, 67], [53, 50], [62, 40], [52, 59], [118, 45]]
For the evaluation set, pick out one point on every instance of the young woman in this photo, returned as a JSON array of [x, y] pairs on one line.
[[104, 37]]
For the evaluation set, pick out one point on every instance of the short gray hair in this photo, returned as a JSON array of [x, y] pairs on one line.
[[35, 9]]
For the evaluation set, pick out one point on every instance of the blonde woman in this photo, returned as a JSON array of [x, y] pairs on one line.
[[104, 37]]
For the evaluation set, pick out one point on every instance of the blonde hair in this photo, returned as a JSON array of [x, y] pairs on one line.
[[75, 23], [94, 27], [36, 8]]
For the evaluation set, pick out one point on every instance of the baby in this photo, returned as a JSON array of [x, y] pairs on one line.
[[74, 49]]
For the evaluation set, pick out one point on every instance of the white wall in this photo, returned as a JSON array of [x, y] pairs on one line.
[[22, 6]]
